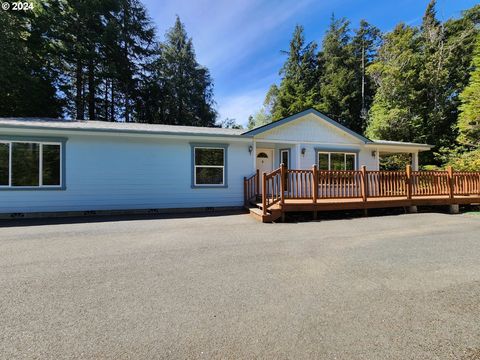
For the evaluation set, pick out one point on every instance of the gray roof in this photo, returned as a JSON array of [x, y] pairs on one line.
[[91, 125], [400, 143], [142, 128]]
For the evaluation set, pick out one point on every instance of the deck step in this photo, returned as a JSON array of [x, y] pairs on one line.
[[266, 218]]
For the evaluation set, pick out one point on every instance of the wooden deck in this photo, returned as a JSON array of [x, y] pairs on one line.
[[313, 190]]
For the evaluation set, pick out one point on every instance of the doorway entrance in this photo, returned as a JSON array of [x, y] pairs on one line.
[[264, 163], [265, 160]]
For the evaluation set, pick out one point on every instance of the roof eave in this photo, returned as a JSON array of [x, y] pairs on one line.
[[122, 131]]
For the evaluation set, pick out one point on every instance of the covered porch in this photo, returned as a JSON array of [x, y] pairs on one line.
[[269, 154], [270, 196]]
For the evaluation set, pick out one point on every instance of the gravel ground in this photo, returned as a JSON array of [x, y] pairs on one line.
[[392, 287]]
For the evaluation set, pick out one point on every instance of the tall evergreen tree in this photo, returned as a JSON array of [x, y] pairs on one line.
[[394, 114], [336, 89], [27, 79], [434, 76], [180, 91], [365, 44], [299, 72], [469, 118]]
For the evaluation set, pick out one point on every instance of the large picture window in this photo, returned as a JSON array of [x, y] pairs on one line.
[[209, 166], [27, 164], [336, 161]]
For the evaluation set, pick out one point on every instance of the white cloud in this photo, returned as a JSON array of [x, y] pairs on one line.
[[241, 106]]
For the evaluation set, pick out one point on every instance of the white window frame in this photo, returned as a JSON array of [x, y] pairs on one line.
[[329, 153], [195, 166], [40, 165]]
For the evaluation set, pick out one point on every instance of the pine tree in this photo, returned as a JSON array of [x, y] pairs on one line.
[[180, 91], [433, 76], [338, 93], [365, 44], [299, 72], [27, 79], [469, 117], [394, 114]]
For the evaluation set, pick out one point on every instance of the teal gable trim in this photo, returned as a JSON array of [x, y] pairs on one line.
[[225, 167], [294, 117], [41, 139]]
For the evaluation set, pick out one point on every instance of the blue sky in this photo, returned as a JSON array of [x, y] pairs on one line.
[[240, 40]]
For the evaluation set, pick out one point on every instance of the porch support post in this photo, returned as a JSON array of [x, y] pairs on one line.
[[315, 183], [377, 158], [415, 161], [245, 201], [282, 183], [298, 150], [254, 152], [257, 184]]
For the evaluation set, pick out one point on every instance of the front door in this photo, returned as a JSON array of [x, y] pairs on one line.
[[264, 162], [285, 159]]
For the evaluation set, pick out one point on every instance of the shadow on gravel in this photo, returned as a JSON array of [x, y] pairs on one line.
[[95, 218], [299, 217]]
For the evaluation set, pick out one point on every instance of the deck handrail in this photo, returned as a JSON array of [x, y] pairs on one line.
[[251, 187], [271, 185], [304, 184]]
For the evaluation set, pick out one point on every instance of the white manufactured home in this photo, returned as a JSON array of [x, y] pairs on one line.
[[49, 165]]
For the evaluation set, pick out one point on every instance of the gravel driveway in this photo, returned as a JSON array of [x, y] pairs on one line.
[[392, 287]]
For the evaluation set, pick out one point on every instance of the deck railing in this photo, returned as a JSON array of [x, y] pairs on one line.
[[339, 184], [466, 183], [286, 184], [251, 187], [272, 188]]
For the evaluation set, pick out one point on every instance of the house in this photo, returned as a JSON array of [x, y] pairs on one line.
[[49, 165]]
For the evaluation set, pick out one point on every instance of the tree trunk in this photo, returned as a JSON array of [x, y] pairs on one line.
[[112, 104], [91, 89], [79, 108], [127, 107], [105, 100]]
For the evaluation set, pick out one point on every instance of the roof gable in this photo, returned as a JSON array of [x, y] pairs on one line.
[[324, 120]]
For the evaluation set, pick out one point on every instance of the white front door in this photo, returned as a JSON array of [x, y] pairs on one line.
[[264, 163], [265, 160]]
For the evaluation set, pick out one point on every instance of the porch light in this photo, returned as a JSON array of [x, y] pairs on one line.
[[303, 151], [250, 149], [374, 153]]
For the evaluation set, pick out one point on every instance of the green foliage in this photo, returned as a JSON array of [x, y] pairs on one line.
[[332, 81], [296, 90], [419, 73], [395, 161], [393, 113], [469, 118], [180, 91], [465, 160], [99, 59], [229, 123], [260, 118], [26, 77]]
